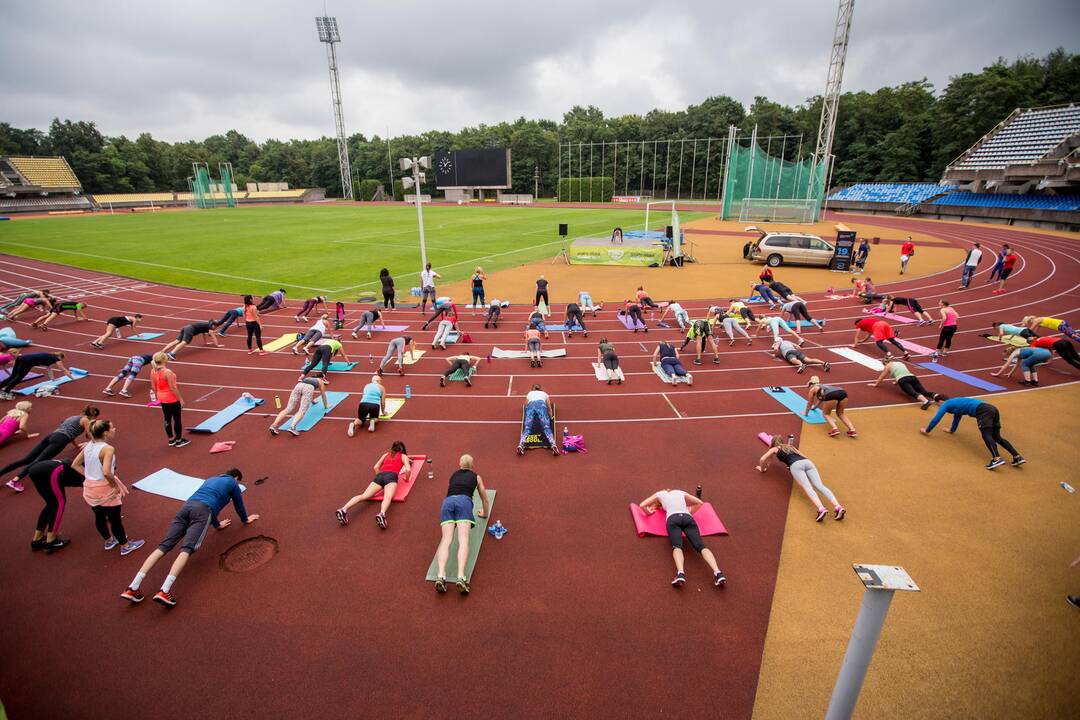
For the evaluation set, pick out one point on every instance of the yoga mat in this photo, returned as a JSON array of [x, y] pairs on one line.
[[5, 374], [765, 438], [459, 375], [796, 403], [76, 373], [625, 320], [754, 299], [802, 324], [890, 316], [317, 412], [476, 537], [170, 484], [336, 366], [417, 354], [961, 376], [856, 356], [839, 297], [535, 437], [560, 327], [392, 406], [226, 415], [601, 373], [655, 523], [404, 487], [524, 354], [543, 308], [281, 343], [145, 336], [671, 379], [389, 328], [1013, 340], [917, 349]]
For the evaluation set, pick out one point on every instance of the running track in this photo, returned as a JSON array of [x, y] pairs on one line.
[[571, 613]]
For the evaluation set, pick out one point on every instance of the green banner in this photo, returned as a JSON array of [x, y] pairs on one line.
[[614, 255]]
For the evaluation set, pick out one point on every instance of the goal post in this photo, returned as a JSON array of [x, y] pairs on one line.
[[676, 231], [791, 210]]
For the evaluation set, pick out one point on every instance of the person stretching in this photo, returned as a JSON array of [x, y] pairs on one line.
[[805, 473], [792, 355], [908, 383], [574, 316], [538, 409], [300, 399], [829, 398], [58, 307], [163, 382], [775, 323], [949, 316], [532, 346], [633, 311], [127, 374], [733, 325], [66, 433], [797, 310], [701, 331], [392, 467], [681, 316], [190, 525], [253, 325], [987, 418], [679, 506], [466, 363], [367, 319], [15, 421], [644, 300], [324, 350], [765, 293], [906, 251], [668, 356], [536, 320], [102, 489], [24, 363], [1029, 359], [1065, 349], [228, 319], [738, 308], [605, 355], [310, 305], [493, 313], [889, 303], [442, 334], [478, 279], [313, 335], [881, 331], [397, 348], [541, 292], [427, 287], [188, 333], [785, 293], [37, 299], [51, 478], [113, 325], [1054, 324], [456, 516], [372, 406], [273, 301], [448, 309]]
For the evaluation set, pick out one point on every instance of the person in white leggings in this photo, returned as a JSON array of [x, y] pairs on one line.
[[806, 475], [442, 334], [731, 326]]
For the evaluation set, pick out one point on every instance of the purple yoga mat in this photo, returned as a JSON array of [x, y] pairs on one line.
[[890, 316], [625, 320], [5, 374], [388, 328]]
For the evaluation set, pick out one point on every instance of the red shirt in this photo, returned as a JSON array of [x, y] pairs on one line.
[[393, 463], [766, 275], [1043, 342], [867, 324], [907, 248], [1009, 260]]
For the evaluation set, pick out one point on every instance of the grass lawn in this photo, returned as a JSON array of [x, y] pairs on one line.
[[333, 250]]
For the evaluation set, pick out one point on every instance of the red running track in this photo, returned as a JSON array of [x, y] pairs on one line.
[[571, 613]]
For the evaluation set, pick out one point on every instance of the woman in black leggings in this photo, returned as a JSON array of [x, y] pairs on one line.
[[542, 292], [253, 325], [387, 288], [51, 445], [605, 354], [908, 383], [51, 478], [575, 316]]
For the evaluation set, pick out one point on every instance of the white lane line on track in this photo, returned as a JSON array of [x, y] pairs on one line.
[[200, 399], [672, 405], [509, 385]]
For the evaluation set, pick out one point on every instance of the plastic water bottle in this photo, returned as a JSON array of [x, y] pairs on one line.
[[430, 471], [698, 492], [408, 392], [565, 431], [790, 439], [1069, 488], [370, 358], [277, 402]]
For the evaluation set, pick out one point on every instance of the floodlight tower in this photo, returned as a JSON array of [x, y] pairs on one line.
[[831, 98], [416, 164], [328, 33]]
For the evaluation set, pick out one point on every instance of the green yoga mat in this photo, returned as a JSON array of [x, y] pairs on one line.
[[476, 537], [459, 375]]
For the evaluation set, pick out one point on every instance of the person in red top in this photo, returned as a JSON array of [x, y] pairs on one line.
[[766, 275], [532, 345], [1061, 345], [163, 381], [906, 251], [394, 466], [1007, 264], [881, 331]]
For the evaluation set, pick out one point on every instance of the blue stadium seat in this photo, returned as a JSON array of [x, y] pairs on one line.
[[890, 192], [1004, 200]]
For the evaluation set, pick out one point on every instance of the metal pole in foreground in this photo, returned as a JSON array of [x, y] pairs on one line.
[[419, 213], [880, 581]]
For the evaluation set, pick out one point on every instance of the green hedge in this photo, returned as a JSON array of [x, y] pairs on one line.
[[368, 188], [586, 189], [399, 190]]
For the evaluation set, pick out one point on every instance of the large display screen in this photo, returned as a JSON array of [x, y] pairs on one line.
[[489, 168]]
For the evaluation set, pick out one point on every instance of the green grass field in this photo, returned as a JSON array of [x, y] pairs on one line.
[[332, 250]]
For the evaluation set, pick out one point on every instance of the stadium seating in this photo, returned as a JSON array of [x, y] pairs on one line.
[[44, 204], [890, 192], [106, 198], [1023, 138], [1005, 200], [46, 172]]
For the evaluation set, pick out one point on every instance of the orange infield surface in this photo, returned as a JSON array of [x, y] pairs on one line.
[[571, 613]]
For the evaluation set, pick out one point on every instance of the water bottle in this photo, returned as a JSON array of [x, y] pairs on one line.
[[408, 392], [370, 359], [430, 471], [1069, 488], [698, 492], [565, 431], [277, 402], [790, 439]]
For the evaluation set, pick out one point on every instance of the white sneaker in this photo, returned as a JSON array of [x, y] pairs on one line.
[[351, 430], [371, 426]]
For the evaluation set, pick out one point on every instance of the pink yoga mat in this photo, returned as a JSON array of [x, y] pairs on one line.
[[405, 486], [915, 348], [656, 523], [388, 328], [890, 316], [765, 438]]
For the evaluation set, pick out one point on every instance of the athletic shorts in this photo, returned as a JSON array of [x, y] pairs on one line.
[[32, 302], [132, 367], [797, 354], [190, 524], [987, 416], [534, 345], [385, 478], [456, 509], [836, 395], [118, 322], [681, 523], [1006, 272], [185, 335], [367, 411]]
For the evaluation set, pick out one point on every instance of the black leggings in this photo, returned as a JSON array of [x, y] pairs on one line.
[[50, 516], [106, 516], [611, 361], [799, 312], [647, 302], [992, 437], [322, 355], [575, 316], [174, 426], [254, 329], [388, 299], [48, 448], [748, 314], [438, 313], [1065, 348], [881, 345], [265, 304], [680, 523], [635, 313], [913, 388], [541, 294], [493, 314], [19, 371], [459, 364], [945, 337]]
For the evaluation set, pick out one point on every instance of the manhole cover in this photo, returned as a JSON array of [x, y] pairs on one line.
[[249, 554]]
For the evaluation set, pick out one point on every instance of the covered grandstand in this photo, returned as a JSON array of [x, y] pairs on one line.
[[39, 184]]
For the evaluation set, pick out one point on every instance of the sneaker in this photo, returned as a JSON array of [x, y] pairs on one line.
[[935, 355], [463, 586], [468, 381], [273, 431], [371, 425], [697, 362], [718, 579], [440, 585], [379, 372], [354, 336], [132, 595], [1018, 461], [165, 598], [6, 396], [801, 370], [995, 463], [36, 545], [182, 442], [171, 356], [852, 434], [679, 581], [111, 543], [520, 449], [840, 513], [926, 404], [369, 335], [821, 514], [351, 430], [555, 451], [293, 431], [888, 357], [380, 520], [442, 381], [1073, 600], [827, 366], [56, 544], [172, 443], [15, 485], [125, 393], [532, 363], [131, 546], [99, 346]]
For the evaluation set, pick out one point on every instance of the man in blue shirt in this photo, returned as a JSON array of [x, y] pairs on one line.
[[190, 525], [987, 418]]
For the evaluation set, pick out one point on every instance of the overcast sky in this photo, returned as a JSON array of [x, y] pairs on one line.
[[184, 70]]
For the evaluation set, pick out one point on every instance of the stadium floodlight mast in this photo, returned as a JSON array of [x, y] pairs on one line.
[[831, 99], [414, 182], [328, 34]]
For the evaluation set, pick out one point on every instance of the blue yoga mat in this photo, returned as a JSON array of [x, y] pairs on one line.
[[225, 416], [802, 324], [337, 366], [77, 375], [754, 299], [170, 484], [961, 376], [795, 402], [317, 412], [145, 336]]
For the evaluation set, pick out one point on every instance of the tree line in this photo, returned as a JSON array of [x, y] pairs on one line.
[[903, 133]]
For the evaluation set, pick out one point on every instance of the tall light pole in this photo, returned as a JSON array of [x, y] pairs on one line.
[[328, 34], [414, 182], [536, 183], [831, 99]]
